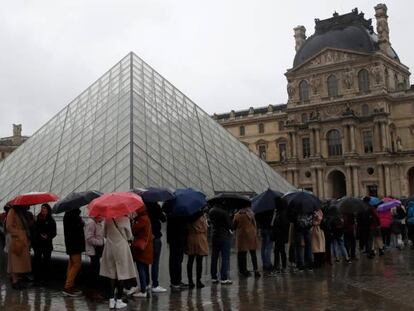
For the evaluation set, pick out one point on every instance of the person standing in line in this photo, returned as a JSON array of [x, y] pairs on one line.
[[410, 222], [264, 222], [280, 235], [222, 227], [94, 244], [337, 239], [4, 238], [197, 247], [142, 250], [385, 222], [156, 216], [244, 224], [42, 243], [177, 231], [117, 263], [397, 226], [318, 239], [375, 238], [75, 246], [303, 247], [19, 261]]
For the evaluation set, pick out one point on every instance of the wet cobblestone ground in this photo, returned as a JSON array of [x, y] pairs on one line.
[[385, 283]]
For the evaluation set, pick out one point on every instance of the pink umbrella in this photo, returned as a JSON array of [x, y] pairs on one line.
[[384, 207]]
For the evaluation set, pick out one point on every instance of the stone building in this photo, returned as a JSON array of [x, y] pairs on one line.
[[9, 144], [348, 125]]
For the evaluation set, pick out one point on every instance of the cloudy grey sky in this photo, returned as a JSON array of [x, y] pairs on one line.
[[223, 54]]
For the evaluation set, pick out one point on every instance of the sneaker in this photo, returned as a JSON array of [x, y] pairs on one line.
[[112, 303], [140, 295], [158, 289], [214, 281], [130, 291], [183, 285], [226, 282], [71, 292], [119, 304]]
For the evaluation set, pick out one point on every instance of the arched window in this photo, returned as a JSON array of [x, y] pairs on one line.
[[304, 117], [261, 128], [303, 90], [332, 86], [365, 110], [334, 143], [363, 81]]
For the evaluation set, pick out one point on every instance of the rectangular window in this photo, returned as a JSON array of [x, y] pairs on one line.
[[282, 151], [282, 124], [242, 130], [306, 147], [261, 128], [367, 139], [262, 152]]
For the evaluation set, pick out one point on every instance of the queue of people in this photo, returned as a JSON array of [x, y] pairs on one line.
[[126, 250]]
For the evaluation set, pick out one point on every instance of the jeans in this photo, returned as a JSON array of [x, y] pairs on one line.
[[350, 243], [220, 247], [175, 263], [280, 254], [338, 248], [74, 266], [303, 253], [143, 274], [266, 249], [386, 236], [157, 244]]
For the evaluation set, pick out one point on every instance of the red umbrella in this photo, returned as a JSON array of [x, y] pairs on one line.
[[33, 198], [115, 204]]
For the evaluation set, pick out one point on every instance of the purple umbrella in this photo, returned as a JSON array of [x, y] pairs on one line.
[[385, 207]]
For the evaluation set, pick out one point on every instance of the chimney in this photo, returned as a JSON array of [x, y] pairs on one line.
[[382, 28], [300, 36]]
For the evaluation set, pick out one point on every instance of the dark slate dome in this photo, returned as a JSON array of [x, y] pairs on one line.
[[349, 32]]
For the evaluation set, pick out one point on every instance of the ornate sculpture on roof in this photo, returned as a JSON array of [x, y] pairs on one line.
[[377, 73], [382, 27], [348, 78], [300, 36], [291, 89], [17, 130], [315, 82]]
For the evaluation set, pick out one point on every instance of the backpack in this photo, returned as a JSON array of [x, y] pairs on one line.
[[304, 221]]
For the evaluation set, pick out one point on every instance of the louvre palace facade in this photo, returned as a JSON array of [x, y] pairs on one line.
[[9, 144], [348, 125]]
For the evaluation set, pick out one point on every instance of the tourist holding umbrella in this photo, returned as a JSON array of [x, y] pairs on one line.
[[244, 225], [19, 261], [117, 263], [44, 233], [186, 203], [318, 239], [264, 206]]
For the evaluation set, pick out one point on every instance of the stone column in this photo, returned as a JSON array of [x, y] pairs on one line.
[[387, 176], [320, 183], [349, 191], [289, 147], [296, 177], [294, 146], [318, 142], [381, 184], [352, 136], [355, 180], [376, 140], [346, 139], [315, 181], [312, 143], [383, 137]]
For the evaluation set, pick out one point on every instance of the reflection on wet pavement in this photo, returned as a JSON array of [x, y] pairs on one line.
[[379, 284]]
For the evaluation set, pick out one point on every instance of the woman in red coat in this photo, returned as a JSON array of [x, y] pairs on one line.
[[142, 248]]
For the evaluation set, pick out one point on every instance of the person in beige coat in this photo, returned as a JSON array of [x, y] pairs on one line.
[[19, 260], [117, 263], [246, 240], [197, 248], [318, 239]]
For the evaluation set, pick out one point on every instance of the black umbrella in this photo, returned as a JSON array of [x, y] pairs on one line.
[[75, 200], [153, 194], [351, 205], [268, 200], [300, 203], [230, 200]]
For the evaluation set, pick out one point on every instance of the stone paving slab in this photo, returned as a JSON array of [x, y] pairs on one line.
[[384, 283]]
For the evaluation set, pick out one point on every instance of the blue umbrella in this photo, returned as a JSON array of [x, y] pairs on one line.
[[374, 201], [266, 201], [187, 202], [153, 194]]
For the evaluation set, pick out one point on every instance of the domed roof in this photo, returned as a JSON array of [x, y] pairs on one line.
[[349, 32]]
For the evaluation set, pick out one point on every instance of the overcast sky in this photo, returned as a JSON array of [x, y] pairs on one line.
[[227, 54]]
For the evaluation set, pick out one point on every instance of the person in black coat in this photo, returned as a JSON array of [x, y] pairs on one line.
[[43, 235], [75, 246], [280, 235]]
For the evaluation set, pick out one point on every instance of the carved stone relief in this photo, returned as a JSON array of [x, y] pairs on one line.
[[377, 74], [348, 78], [315, 84], [291, 89]]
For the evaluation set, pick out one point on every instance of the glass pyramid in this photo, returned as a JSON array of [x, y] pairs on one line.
[[132, 128]]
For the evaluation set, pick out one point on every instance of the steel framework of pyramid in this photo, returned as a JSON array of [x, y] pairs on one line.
[[132, 128]]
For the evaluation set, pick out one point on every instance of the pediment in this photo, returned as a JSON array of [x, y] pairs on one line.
[[329, 56]]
